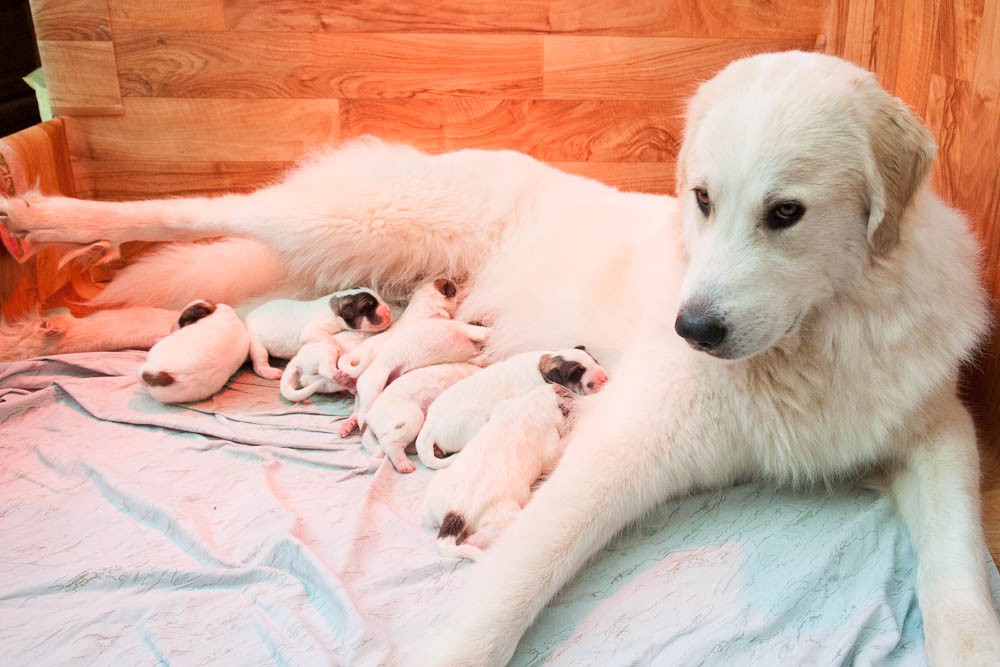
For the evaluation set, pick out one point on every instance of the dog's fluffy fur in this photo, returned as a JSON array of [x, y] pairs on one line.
[[845, 331]]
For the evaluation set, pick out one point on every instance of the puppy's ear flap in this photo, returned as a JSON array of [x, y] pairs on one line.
[[903, 150], [551, 369], [581, 347], [446, 287], [193, 312], [345, 307]]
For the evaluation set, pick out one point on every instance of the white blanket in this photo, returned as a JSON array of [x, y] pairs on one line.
[[242, 531]]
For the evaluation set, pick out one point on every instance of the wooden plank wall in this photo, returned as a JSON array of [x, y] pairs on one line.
[[221, 94]]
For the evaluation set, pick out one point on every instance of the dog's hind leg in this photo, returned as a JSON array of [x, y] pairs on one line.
[[936, 490], [107, 330]]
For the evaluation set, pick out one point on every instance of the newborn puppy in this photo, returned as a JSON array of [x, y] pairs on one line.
[[398, 413], [207, 346], [436, 299], [462, 409], [490, 481], [314, 369], [423, 336], [281, 326]]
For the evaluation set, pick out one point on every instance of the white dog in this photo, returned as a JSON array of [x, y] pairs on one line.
[[209, 344], [398, 413], [281, 326], [828, 295], [462, 409], [490, 481], [314, 370], [424, 335]]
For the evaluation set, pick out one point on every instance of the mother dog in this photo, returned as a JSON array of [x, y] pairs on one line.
[[823, 296]]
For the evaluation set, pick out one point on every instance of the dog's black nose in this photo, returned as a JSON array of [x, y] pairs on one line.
[[700, 327]]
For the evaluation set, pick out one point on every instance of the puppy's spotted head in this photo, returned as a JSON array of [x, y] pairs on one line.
[[573, 368], [195, 311], [361, 310]]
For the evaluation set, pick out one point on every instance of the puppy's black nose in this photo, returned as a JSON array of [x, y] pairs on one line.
[[700, 327]]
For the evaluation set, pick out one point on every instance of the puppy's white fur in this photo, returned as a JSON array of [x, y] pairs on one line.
[[462, 409], [490, 480], [847, 329], [313, 370], [197, 359], [398, 413], [422, 337], [281, 326]]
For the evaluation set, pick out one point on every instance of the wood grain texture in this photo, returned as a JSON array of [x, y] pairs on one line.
[[44, 157], [226, 64], [175, 14], [82, 77], [66, 20], [649, 68], [126, 180], [680, 18], [690, 18], [554, 130], [154, 129], [957, 31], [656, 177], [388, 16]]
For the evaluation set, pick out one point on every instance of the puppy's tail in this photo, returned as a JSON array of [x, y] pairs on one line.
[[175, 274], [289, 380], [453, 531], [425, 450]]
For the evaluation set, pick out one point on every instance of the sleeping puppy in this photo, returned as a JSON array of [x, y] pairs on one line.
[[208, 344], [314, 370], [490, 481], [398, 413], [423, 336], [462, 409], [280, 327]]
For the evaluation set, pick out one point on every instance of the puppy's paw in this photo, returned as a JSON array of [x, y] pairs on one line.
[[269, 373], [349, 425], [402, 464]]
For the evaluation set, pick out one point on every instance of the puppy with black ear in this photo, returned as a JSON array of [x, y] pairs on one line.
[[280, 327], [208, 344], [473, 500], [462, 409], [424, 335]]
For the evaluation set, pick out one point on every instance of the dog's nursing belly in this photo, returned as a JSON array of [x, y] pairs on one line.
[[580, 271]]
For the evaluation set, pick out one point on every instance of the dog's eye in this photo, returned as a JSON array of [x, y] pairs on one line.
[[701, 197], [784, 214]]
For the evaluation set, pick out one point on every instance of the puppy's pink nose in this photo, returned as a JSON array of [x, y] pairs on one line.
[[600, 377], [384, 314]]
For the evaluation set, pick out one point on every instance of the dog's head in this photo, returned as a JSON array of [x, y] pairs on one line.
[[361, 309], [573, 368], [795, 171]]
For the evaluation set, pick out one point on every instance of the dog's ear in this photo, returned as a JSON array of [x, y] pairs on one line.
[[550, 366], [902, 152], [580, 347], [446, 287], [193, 312]]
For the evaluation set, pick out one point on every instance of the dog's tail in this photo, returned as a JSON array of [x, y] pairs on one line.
[[450, 536], [426, 447], [289, 380], [226, 270]]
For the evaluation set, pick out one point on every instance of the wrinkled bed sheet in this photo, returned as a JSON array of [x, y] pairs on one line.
[[241, 531]]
